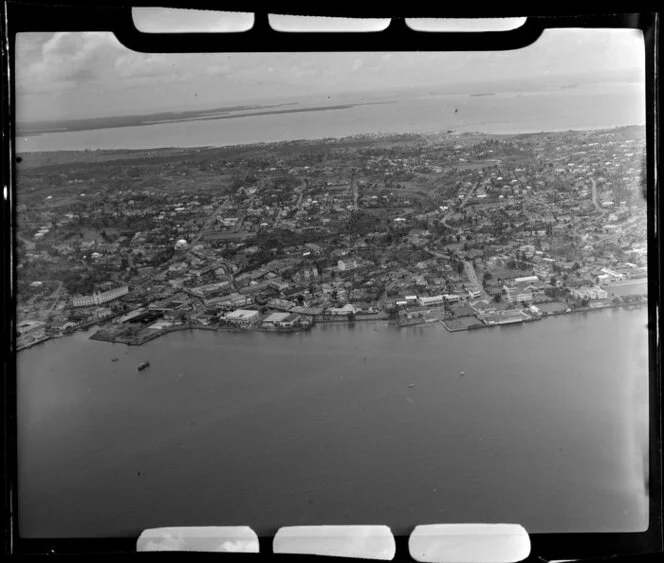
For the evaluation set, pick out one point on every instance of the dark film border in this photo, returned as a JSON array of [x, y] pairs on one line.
[[79, 15]]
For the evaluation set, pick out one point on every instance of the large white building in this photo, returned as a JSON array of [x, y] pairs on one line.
[[433, 300], [242, 317], [345, 310], [526, 279], [518, 294], [345, 265], [99, 298], [590, 293], [613, 274]]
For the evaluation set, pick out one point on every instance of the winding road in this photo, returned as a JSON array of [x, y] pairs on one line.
[[472, 276], [453, 212], [595, 201]]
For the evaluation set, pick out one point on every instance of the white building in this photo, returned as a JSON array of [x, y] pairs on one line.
[[590, 293], [517, 294], [275, 319], [613, 274], [99, 298], [526, 279], [242, 317], [433, 300], [345, 310], [345, 265], [182, 243]]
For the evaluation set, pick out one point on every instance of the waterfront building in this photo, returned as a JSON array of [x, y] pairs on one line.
[[517, 294], [275, 319], [590, 293], [345, 310], [242, 317], [99, 298]]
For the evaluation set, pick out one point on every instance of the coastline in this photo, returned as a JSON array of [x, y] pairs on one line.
[[441, 322], [490, 130], [475, 326]]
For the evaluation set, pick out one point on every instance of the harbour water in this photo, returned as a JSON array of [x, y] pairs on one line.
[[586, 107], [352, 424]]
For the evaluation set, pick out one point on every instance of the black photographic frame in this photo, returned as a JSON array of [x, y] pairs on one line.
[[77, 15]]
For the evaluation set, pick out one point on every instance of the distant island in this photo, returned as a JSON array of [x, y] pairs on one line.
[[38, 128]]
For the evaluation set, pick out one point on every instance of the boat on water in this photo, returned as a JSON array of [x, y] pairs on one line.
[[462, 373], [411, 386], [143, 365], [114, 359]]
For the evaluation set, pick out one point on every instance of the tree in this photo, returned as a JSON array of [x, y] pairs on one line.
[[351, 316], [497, 298]]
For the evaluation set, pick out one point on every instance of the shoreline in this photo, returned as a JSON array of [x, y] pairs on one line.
[[440, 322], [358, 137]]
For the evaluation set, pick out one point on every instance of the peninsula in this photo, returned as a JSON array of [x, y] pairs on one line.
[[467, 230]]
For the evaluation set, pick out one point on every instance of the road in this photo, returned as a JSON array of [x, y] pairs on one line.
[[300, 195], [446, 218], [353, 185], [470, 272], [469, 195], [472, 276], [595, 201], [453, 212], [208, 223]]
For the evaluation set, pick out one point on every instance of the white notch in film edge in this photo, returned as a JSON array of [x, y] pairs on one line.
[[469, 543], [229, 539], [366, 542]]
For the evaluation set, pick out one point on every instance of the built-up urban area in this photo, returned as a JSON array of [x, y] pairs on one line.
[[465, 230]]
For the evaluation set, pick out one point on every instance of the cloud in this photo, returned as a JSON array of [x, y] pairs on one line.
[[63, 60], [69, 74]]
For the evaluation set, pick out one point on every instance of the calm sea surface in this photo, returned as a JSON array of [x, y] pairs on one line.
[[547, 428], [588, 107]]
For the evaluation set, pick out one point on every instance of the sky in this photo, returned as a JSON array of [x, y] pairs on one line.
[[75, 75]]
